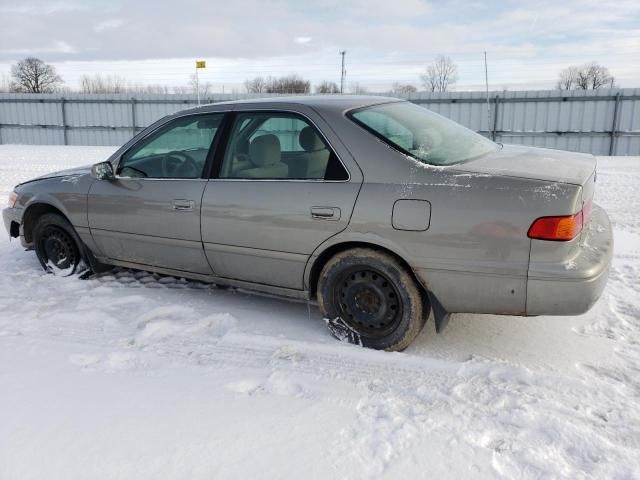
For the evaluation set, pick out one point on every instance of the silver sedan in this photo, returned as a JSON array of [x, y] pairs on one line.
[[380, 209]]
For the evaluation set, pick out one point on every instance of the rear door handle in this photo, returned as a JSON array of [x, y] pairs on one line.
[[182, 205], [325, 213]]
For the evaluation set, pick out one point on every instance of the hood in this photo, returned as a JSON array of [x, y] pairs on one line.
[[70, 172], [535, 163]]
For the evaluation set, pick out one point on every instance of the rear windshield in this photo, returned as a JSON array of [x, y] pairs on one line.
[[422, 134]]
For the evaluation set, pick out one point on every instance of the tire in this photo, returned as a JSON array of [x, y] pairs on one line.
[[370, 299], [57, 245]]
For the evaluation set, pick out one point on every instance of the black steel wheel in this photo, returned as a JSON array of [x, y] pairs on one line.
[[56, 245], [368, 301], [369, 298]]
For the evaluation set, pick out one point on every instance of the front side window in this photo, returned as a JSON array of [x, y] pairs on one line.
[[177, 150], [422, 134], [278, 145]]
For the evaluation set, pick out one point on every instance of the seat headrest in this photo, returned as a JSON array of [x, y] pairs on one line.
[[242, 146], [265, 150], [309, 140]]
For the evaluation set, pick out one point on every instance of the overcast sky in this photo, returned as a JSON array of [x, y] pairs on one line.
[[152, 41]]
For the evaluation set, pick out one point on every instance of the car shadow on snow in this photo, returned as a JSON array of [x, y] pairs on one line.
[[533, 340], [529, 340]]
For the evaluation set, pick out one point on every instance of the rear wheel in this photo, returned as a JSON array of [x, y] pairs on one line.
[[369, 298], [56, 245]]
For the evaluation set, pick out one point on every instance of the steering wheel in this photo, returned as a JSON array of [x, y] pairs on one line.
[[178, 161]]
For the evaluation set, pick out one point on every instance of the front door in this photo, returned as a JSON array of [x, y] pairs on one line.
[[150, 213], [281, 190]]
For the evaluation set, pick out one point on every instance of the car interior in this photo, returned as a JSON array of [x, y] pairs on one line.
[[180, 151], [259, 148]]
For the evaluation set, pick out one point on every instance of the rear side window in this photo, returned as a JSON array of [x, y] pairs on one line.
[[287, 129], [388, 127], [278, 146], [422, 134]]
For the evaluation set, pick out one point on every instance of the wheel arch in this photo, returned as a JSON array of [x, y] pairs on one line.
[[33, 212], [36, 209], [320, 259]]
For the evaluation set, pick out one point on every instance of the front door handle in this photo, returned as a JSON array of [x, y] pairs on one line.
[[182, 205], [325, 213]]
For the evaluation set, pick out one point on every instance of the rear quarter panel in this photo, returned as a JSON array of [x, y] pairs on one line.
[[475, 254], [546, 256]]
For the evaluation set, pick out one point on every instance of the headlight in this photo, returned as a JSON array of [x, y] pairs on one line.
[[13, 198]]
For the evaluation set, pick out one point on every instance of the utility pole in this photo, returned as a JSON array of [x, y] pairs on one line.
[[197, 87], [342, 72], [486, 82], [199, 64]]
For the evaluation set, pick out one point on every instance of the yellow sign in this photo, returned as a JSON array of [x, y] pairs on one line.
[[201, 64]]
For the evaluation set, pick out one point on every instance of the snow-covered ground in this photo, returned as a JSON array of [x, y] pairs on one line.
[[130, 375]]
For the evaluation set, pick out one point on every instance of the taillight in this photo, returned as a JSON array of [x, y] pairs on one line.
[[561, 229]]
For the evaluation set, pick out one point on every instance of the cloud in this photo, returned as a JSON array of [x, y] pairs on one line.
[[108, 25], [63, 47], [525, 36], [43, 8], [387, 9], [57, 48]]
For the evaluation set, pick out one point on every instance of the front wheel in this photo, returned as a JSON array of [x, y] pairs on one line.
[[56, 245], [369, 298]]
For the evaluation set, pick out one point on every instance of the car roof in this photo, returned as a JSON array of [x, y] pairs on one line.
[[320, 102]]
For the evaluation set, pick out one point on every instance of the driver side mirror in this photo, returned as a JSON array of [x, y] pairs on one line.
[[103, 171]]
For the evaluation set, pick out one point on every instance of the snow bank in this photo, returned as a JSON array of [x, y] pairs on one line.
[[133, 375]]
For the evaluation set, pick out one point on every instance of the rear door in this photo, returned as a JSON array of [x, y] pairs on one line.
[[150, 213], [284, 185]]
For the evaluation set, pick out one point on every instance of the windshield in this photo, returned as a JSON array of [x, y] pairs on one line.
[[426, 136]]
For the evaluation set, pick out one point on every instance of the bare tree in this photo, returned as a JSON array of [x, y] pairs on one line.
[[292, 83], [181, 89], [5, 83], [103, 84], [32, 75], [567, 78], [196, 84], [590, 76], [327, 87], [440, 75], [255, 85], [593, 76], [357, 89], [153, 88], [402, 89], [116, 84]]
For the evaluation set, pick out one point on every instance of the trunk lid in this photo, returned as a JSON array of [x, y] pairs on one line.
[[535, 163]]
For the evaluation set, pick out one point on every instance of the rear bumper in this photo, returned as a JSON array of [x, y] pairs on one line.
[[571, 288]]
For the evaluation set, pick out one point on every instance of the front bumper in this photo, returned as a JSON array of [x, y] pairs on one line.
[[573, 287], [12, 218]]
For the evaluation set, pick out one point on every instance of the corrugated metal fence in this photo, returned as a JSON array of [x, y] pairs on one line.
[[602, 122]]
